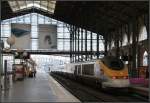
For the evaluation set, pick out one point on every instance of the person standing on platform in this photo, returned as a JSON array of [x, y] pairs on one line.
[[34, 72]]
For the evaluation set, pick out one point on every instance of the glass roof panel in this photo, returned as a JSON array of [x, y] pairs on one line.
[[29, 2], [16, 8], [52, 2], [47, 5], [44, 3], [21, 3], [50, 5], [13, 3], [44, 8], [36, 5], [37, 2]]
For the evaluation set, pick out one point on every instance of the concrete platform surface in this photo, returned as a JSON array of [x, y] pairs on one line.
[[43, 88]]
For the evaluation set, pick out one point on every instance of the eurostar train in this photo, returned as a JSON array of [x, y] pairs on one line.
[[111, 71]]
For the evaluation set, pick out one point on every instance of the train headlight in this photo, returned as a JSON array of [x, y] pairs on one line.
[[125, 77], [113, 77]]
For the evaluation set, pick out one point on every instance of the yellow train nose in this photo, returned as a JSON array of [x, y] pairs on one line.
[[121, 73]]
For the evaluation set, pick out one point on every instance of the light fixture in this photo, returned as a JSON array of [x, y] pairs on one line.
[[25, 54], [19, 50], [11, 40], [7, 49], [16, 53]]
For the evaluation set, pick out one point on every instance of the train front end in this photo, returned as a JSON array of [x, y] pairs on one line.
[[116, 72]]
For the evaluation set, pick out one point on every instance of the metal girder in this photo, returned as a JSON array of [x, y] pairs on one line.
[[111, 15]]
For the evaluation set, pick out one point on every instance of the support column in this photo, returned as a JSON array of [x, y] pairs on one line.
[[117, 44], [75, 35], [81, 44], [97, 53], [78, 43], [86, 45], [91, 48], [6, 82], [129, 30], [71, 44], [134, 47], [105, 44]]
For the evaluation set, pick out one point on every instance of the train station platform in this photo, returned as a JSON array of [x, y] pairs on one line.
[[140, 90], [43, 88], [140, 86]]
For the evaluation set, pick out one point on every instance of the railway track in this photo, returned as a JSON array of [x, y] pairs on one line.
[[88, 94], [81, 92]]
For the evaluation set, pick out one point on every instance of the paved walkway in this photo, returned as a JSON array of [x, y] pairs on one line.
[[43, 88]]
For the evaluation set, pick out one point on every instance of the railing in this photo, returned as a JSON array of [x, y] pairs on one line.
[[45, 51], [139, 81]]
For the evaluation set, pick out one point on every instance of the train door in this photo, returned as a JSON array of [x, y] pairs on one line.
[[97, 69], [79, 69], [76, 70]]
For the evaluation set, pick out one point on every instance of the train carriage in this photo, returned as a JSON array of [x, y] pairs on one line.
[[111, 71]]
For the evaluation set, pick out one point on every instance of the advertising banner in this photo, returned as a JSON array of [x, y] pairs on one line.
[[47, 36], [22, 34]]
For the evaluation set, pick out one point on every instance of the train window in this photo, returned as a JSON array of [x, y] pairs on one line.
[[113, 63], [88, 69], [116, 64]]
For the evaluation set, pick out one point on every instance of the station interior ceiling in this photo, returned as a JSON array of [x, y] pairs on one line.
[[102, 16]]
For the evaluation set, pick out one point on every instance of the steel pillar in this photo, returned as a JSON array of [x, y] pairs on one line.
[[105, 44], [97, 54], [134, 47], [73, 42], [91, 46], [78, 42], [86, 45], [75, 35], [70, 43], [81, 43]]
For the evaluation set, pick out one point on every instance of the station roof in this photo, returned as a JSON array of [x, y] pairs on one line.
[[97, 16], [44, 5]]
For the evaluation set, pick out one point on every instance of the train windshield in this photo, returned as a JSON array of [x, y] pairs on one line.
[[113, 63]]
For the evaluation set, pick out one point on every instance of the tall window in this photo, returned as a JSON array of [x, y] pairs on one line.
[[125, 40], [143, 34], [112, 44], [145, 59]]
